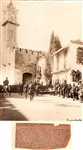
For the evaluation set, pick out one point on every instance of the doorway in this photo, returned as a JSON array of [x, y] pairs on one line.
[[27, 77]]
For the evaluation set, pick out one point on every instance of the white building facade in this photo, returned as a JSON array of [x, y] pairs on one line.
[[63, 61], [41, 68]]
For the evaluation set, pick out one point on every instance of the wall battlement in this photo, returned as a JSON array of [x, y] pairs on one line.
[[27, 56], [30, 52]]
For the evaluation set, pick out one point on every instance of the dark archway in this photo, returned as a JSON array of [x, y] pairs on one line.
[[27, 77]]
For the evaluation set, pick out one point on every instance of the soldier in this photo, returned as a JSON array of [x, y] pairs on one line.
[[6, 86], [6, 82], [25, 89], [31, 90], [37, 89], [75, 92], [56, 88], [63, 90], [59, 90], [69, 87], [20, 88], [81, 94]]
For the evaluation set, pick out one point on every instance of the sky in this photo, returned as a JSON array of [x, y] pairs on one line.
[[38, 19]]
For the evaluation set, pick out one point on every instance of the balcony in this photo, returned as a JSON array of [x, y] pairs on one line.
[[61, 70], [38, 74]]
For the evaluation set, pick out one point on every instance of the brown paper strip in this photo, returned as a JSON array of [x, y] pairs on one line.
[[41, 136]]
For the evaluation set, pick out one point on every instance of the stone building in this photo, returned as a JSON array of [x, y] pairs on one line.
[[64, 61], [17, 64], [26, 64]]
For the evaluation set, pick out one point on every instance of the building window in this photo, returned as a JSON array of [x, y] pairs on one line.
[[64, 64], [65, 55], [57, 62], [5, 35], [11, 34]]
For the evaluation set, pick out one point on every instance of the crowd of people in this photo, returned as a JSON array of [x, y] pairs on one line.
[[74, 91], [31, 89]]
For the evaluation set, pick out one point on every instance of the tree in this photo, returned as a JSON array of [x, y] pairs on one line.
[[52, 38], [51, 43], [55, 43], [47, 70]]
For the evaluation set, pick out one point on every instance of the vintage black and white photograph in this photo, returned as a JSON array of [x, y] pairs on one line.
[[41, 61]]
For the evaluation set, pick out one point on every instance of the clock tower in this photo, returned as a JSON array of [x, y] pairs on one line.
[[10, 25], [9, 42]]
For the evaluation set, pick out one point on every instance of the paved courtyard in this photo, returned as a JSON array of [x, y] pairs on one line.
[[42, 108]]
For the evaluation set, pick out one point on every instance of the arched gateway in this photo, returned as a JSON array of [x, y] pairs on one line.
[[28, 73], [27, 77]]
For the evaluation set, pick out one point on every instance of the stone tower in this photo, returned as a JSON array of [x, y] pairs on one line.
[[9, 42]]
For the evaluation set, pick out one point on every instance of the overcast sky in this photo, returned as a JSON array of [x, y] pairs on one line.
[[38, 19]]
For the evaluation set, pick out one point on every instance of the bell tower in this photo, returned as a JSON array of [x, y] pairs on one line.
[[9, 42]]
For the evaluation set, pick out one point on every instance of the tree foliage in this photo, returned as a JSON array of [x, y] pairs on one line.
[[55, 43], [47, 70], [78, 41]]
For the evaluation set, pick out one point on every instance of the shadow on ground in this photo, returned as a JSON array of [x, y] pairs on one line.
[[9, 112]]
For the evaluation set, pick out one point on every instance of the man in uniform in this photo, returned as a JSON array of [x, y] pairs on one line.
[[80, 93], [6, 86], [31, 90], [25, 89]]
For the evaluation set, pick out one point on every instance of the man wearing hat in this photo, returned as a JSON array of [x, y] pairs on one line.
[[6, 86]]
